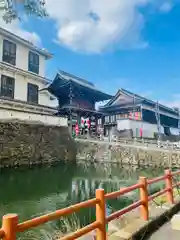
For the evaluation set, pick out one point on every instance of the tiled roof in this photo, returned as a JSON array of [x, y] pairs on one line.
[[67, 78], [139, 99], [81, 81]]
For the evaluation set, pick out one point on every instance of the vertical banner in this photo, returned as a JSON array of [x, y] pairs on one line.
[[130, 115]]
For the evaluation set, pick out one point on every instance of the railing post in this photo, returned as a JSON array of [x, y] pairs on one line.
[[9, 225], [168, 181], [101, 214], [144, 198]]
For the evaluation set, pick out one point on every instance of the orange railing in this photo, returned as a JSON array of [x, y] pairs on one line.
[[10, 225]]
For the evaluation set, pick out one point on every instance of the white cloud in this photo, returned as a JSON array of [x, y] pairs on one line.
[[16, 28], [95, 25], [166, 7]]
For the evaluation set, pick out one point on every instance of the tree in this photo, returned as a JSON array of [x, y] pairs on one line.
[[12, 8]]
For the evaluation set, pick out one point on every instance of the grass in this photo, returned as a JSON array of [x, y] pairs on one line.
[[53, 232], [163, 199]]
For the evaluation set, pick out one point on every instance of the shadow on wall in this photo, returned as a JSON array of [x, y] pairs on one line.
[[125, 133], [23, 143], [171, 138]]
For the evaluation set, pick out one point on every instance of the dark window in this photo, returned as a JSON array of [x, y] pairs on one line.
[[32, 96], [9, 52], [7, 86], [33, 62]]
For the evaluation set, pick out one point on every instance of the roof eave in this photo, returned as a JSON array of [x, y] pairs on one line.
[[140, 98], [124, 92], [116, 107], [161, 106], [106, 96], [19, 39], [47, 55]]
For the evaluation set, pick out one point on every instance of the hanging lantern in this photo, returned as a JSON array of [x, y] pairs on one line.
[[130, 115], [77, 129], [88, 123], [136, 116]]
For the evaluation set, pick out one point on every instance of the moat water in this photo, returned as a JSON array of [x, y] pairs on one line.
[[34, 192]]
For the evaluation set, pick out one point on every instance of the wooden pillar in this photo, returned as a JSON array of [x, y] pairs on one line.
[[144, 198], [9, 225], [168, 181], [101, 214]]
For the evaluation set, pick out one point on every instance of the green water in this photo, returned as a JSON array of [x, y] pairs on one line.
[[34, 192]]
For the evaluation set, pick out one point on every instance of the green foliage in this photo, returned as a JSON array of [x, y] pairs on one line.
[[12, 9]]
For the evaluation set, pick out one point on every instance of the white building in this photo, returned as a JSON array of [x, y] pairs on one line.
[[22, 77]]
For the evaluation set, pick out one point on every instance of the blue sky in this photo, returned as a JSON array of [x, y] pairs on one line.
[[130, 44]]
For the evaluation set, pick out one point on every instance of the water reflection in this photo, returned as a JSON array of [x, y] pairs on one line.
[[30, 193]]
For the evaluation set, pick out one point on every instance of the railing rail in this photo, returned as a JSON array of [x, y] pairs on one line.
[[10, 226]]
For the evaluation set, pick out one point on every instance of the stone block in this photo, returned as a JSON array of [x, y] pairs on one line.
[[175, 222], [120, 235], [127, 232], [29, 143]]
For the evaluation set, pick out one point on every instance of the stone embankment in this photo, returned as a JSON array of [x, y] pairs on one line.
[[126, 154], [28, 143]]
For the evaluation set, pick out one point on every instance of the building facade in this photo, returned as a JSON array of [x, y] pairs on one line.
[[22, 76], [130, 115], [77, 98]]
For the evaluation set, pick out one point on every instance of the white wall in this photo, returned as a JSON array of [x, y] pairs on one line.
[[21, 80], [174, 131], [22, 54], [21, 88], [45, 119], [123, 124], [148, 128], [45, 99]]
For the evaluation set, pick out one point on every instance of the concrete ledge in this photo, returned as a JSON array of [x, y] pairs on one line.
[[175, 222], [140, 229]]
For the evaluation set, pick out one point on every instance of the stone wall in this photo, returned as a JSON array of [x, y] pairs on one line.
[[107, 153], [28, 143]]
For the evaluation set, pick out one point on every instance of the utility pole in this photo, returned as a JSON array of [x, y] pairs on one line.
[[133, 117], [141, 120], [179, 120], [158, 120], [70, 110]]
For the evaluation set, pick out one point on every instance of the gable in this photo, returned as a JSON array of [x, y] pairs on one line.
[[122, 99]]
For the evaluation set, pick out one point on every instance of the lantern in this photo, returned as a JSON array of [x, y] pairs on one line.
[[77, 129]]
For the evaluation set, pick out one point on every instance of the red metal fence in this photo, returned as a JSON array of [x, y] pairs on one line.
[[10, 225]]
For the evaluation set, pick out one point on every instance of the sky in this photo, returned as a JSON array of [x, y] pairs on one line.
[[131, 44]]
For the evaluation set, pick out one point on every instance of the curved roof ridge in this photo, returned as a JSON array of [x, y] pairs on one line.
[[75, 78], [137, 96]]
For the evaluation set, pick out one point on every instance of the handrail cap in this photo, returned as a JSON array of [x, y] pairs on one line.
[[10, 215]]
